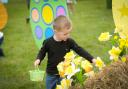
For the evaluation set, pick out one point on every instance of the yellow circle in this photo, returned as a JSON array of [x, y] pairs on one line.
[[47, 14], [3, 16]]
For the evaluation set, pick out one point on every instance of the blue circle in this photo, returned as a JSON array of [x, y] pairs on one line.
[[38, 32], [48, 32]]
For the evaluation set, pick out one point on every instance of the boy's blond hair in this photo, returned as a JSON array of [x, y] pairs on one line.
[[61, 22]]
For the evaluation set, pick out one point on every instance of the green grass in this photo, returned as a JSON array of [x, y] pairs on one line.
[[90, 19]]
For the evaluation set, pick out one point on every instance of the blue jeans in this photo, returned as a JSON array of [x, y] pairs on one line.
[[52, 81]]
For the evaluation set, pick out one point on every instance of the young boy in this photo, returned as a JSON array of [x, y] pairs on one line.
[[56, 47]]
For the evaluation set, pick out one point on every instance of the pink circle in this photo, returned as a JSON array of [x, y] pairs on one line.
[[60, 11], [35, 15]]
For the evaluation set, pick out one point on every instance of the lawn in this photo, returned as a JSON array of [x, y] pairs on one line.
[[89, 19]]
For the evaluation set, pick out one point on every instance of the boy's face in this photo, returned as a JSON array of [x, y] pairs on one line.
[[63, 34]]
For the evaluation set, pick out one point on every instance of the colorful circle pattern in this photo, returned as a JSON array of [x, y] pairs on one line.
[[38, 32], [47, 14], [35, 15], [48, 32], [60, 10], [43, 13]]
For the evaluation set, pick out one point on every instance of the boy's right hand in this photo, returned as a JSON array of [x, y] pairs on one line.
[[37, 62]]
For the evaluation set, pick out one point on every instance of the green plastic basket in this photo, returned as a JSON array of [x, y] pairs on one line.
[[36, 75]]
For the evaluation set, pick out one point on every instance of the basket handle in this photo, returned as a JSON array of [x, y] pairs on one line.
[[37, 68]]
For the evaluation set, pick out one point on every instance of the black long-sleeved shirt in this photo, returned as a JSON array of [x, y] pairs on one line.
[[56, 51]]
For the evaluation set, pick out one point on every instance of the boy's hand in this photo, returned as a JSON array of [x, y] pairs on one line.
[[94, 61], [37, 62]]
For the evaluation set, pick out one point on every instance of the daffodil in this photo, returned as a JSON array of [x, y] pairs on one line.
[[77, 61], [69, 56], [60, 68], [62, 74], [99, 63], [87, 66], [123, 59], [66, 83], [59, 87], [71, 70], [114, 52], [66, 63], [115, 37], [122, 42], [115, 58], [104, 36]]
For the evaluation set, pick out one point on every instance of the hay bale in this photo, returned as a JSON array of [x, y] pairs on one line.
[[114, 76]]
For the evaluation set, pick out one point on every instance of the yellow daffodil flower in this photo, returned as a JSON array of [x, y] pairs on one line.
[[62, 74], [71, 70], [115, 37], [77, 61], [116, 58], [59, 87], [99, 63], [123, 59], [60, 66], [66, 63], [66, 83], [104, 36], [114, 52], [122, 42], [61, 69], [86, 65], [69, 56]]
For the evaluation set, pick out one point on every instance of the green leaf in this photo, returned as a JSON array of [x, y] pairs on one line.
[[79, 77]]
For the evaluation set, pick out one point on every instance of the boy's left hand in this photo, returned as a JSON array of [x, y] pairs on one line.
[[93, 61]]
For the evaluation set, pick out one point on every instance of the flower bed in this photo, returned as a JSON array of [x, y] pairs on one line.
[[114, 76]]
